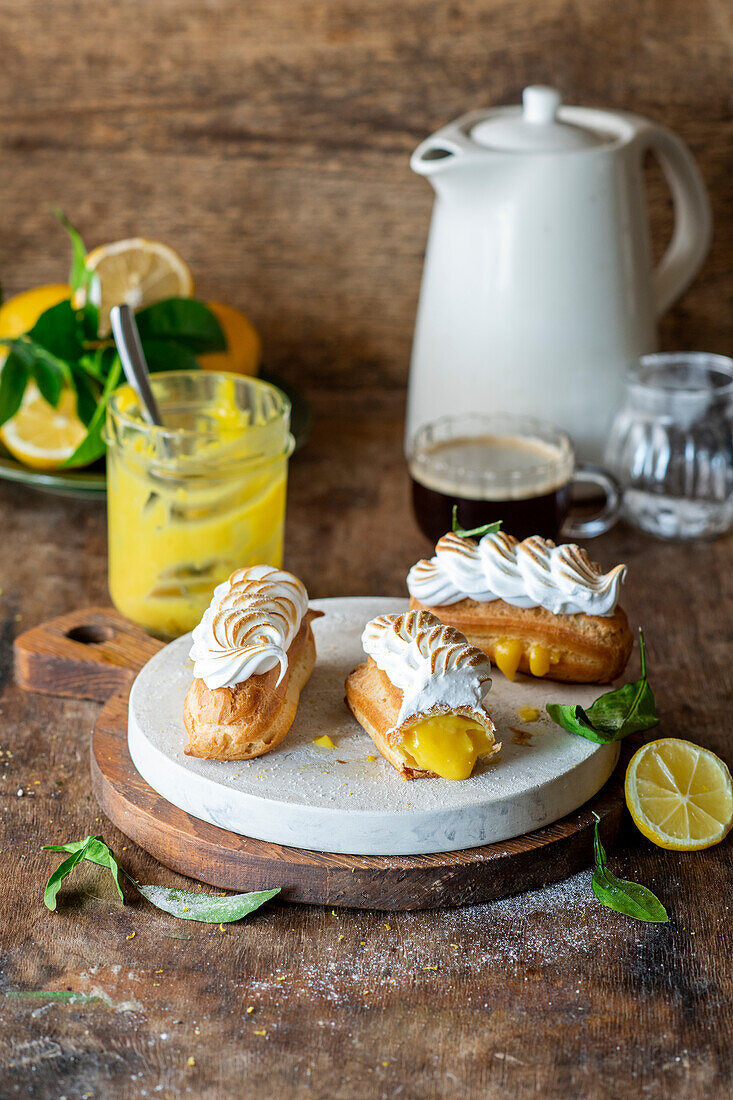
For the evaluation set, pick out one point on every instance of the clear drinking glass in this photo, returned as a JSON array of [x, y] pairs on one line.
[[189, 503], [671, 445], [514, 468]]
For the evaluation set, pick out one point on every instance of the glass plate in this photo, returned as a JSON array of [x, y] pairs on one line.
[[90, 483]]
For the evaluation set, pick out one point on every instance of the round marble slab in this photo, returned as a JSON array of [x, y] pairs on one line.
[[349, 799]]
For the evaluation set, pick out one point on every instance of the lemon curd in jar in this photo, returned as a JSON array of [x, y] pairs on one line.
[[192, 501]]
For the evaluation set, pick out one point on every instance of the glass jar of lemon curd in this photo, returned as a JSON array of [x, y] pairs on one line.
[[190, 502]]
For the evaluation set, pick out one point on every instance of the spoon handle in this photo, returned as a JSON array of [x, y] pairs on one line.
[[127, 339]]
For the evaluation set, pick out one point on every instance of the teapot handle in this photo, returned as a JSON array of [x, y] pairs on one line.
[[692, 218]]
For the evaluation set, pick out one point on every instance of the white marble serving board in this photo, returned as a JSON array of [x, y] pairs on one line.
[[337, 800]]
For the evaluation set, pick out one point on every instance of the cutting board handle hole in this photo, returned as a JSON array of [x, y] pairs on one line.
[[90, 634]]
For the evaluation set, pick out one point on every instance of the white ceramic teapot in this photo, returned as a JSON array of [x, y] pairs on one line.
[[538, 286]]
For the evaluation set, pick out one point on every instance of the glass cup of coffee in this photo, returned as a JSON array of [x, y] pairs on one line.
[[514, 468]]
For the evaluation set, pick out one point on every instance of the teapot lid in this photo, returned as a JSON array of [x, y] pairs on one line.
[[536, 129]]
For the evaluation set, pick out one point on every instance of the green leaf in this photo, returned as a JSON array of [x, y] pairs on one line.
[[475, 532], [629, 898], [13, 380], [54, 883], [91, 848], [186, 904], [168, 355], [204, 907], [98, 852], [49, 379], [185, 320], [87, 394], [614, 715], [59, 331], [92, 445], [78, 275]]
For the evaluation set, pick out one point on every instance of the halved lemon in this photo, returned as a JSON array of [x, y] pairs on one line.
[[40, 435], [679, 795], [136, 271]]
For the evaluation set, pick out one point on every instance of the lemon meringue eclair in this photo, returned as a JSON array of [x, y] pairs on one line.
[[420, 696], [253, 653], [531, 606]]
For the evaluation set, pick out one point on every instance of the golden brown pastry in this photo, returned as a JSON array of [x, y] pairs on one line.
[[531, 606], [420, 696], [253, 653]]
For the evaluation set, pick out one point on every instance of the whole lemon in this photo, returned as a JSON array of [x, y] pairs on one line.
[[244, 346], [19, 314]]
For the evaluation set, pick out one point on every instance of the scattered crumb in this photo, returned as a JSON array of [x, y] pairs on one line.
[[324, 742], [191, 1062]]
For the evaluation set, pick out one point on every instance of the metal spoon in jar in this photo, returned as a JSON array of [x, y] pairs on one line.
[[127, 339]]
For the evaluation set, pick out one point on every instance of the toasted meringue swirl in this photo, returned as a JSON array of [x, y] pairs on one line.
[[248, 627], [432, 664], [532, 573]]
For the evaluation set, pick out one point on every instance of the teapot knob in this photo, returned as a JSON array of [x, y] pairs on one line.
[[540, 103]]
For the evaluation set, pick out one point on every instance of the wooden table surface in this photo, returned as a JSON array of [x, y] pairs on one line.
[[546, 995]]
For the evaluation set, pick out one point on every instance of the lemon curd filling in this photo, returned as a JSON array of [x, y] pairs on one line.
[[508, 652], [184, 514], [447, 745], [507, 655]]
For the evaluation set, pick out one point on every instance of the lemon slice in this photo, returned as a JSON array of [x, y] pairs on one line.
[[41, 436], [679, 794], [136, 271]]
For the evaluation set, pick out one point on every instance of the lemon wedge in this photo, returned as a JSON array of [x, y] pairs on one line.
[[679, 795], [136, 271], [40, 435]]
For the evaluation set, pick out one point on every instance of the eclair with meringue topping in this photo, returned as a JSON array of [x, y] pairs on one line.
[[420, 696], [253, 653], [531, 606]]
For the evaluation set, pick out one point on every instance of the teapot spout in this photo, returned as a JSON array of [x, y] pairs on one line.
[[446, 148]]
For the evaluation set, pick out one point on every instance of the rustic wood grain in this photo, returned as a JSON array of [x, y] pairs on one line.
[[268, 141], [212, 855], [90, 653], [547, 995], [93, 653]]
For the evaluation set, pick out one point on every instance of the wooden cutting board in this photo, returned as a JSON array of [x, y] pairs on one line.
[[96, 653]]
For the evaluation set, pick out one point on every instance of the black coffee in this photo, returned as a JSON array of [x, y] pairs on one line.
[[525, 484]]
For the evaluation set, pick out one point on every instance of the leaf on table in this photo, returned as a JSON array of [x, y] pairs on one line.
[[186, 904], [13, 380], [185, 320], [629, 898], [54, 883], [613, 715], [91, 848], [189, 905]]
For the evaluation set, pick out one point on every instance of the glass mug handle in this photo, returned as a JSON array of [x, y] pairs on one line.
[[605, 519]]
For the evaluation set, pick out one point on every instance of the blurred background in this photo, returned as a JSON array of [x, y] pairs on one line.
[[268, 142]]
